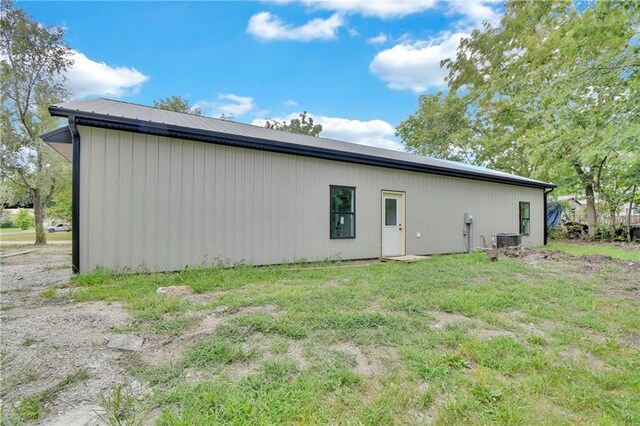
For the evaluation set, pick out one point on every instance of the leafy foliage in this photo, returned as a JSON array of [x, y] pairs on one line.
[[23, 219], [550, 92], [303, 125], [61, 202], [34, 58], [178, 104]]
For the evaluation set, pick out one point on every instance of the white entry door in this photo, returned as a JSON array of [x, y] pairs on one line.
[[392, 224]]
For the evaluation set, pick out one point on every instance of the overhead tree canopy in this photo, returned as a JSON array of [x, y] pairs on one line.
[[178, 104], [303, 125], [33, 60], [551, 92]]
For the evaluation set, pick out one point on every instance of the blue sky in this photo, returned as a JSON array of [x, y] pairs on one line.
[[357, 66]]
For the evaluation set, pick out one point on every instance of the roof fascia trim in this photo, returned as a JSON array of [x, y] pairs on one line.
[[159, 129]]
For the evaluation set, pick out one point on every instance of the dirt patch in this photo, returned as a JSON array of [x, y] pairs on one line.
[[443, 319], [574, 355], [632, 340], [262, 309], [586, 262], [159, 349], [372, 362], [539, 328], [240, 370], [631, 292], [531, 256], [175, 291], [296, 354], [425, 415], [493, 334], [204, 298]]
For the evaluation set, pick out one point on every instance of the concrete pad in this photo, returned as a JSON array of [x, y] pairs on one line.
[[82, 416], [407, 258], [125, 342]]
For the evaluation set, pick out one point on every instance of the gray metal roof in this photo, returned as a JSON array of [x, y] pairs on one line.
[[101, 111]]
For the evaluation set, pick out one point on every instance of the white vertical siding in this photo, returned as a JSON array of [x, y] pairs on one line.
[[154, 203]]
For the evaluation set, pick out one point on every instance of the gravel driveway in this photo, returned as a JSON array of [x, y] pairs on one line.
[[45, 339]]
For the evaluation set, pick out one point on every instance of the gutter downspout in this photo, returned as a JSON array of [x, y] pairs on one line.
[[75, 198], [546, 228]]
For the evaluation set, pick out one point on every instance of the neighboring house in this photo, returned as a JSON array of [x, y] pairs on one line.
[[156, 190], [577, 211]]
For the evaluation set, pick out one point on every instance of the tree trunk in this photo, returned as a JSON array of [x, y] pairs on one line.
[[633, 196], [592, 213], [41, 236], [612, 225]]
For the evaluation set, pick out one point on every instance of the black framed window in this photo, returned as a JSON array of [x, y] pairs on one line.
[[525, 217], [342, 205]]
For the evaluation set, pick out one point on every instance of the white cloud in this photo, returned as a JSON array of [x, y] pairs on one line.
[[266, 26], [385, 9], [353, 32], [290, 102], [379, 39], [416, 65], [227, 104], [474, 12], [87, 77], [377, 133]]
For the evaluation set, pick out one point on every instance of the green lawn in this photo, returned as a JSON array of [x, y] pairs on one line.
[[2, 230], [30, 237], [451, 339], [576, 249]]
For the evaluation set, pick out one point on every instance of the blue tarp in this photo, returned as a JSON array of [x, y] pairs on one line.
[[554, 211]]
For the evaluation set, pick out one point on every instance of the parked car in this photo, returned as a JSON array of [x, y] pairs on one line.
[[61, 227]]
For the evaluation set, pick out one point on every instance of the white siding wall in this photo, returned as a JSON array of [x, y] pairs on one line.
[[154, 203]]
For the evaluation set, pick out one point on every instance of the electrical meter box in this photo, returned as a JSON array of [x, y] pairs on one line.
[[468, 217]]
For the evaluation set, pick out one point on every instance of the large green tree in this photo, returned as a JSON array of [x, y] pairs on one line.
[[444, 126], [551, 90], [178, 104], [33, 60], [303, 125]]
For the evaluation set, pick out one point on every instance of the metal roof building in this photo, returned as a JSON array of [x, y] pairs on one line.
[[160, 190]]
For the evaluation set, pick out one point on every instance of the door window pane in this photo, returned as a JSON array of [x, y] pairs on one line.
[[390, 211]]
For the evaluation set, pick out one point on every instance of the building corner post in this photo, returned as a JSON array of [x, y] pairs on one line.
[[75, 200]]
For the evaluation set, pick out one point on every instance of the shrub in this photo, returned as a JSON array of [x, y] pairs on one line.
[[7, 222], [24, 219]]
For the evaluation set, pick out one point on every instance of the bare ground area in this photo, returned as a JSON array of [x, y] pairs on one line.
[[45, 339], [46, 336]]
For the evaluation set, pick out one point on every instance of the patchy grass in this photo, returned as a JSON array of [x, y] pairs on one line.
[[451, 339], [30, 237], [49, 293], [29, 341], [120, 408], [56, 267], [31, 408], [619, 252]]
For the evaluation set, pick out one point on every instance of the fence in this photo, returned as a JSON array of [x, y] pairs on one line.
[[635, 219]]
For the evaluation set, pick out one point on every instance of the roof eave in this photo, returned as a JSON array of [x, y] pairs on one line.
[[139, 126], [60, 135]]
